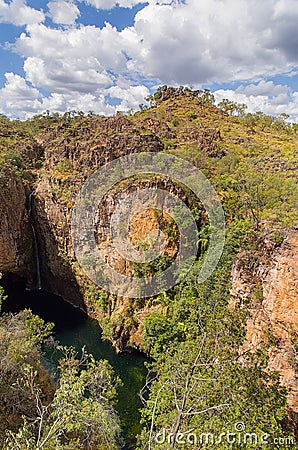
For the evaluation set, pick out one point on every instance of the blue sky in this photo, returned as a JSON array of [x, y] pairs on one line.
[[104, 55]]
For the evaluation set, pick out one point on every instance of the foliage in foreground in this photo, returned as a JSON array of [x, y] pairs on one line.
[[73, 411], [203, 386]]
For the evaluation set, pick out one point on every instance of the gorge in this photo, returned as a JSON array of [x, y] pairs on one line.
[[252, 164]]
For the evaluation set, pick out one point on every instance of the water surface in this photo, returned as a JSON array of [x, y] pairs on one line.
[[74, 328]]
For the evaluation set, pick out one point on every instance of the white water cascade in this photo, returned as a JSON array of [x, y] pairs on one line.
[[31, 221]]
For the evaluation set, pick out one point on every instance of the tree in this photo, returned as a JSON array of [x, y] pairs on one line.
[[205, 387], [21, 336], [80, 414], [232, 108], [74, 409], [206, 96]]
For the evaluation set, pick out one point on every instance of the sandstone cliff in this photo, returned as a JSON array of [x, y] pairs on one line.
[[70, 155], [269, 286], [16, 246]]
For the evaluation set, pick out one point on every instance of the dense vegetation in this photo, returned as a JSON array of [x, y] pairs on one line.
[[41, 409], [198, 381], [204, 385]]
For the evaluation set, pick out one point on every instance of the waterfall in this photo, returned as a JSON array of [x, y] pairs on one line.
[[31, 221]]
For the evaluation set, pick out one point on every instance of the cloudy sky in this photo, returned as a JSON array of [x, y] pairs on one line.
[[108, 55]]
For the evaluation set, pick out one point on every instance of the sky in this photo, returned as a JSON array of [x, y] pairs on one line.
[[107, 56]]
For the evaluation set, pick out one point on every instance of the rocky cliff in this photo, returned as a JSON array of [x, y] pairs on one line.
[[71, 153], [16, 245], [59, 153], [269, 286]]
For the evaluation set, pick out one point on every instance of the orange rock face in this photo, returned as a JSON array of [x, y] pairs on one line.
[[281, 305], [277, 312]]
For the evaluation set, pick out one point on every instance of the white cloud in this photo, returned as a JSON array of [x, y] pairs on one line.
[[63, 12], [79, 46], [81, 61], [181, 43], [18, 13], [206, 41], [267, 88], [18, 96], [76, 102], [266, 97], [84, 71], [17, 88], [66, 76], [171, 42], [109, 4], [19, 100], [130, 96]]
